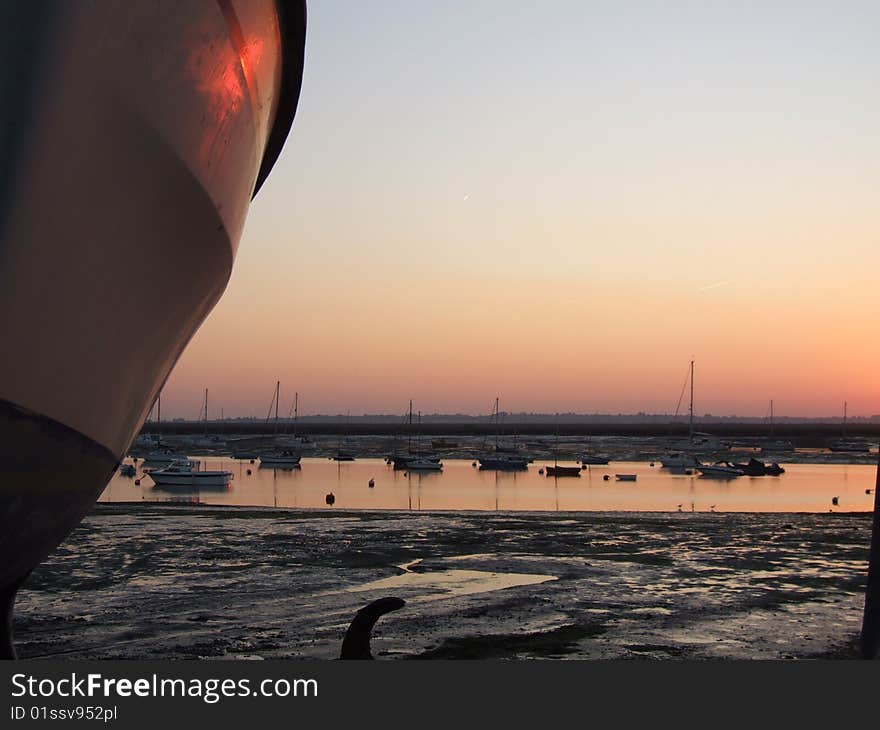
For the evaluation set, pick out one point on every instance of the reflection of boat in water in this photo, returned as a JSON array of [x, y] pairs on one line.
[[722, 469], [132, 132], [563, 471], [185, 473]]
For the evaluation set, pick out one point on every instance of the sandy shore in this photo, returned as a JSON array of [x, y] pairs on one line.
[[151, 581]]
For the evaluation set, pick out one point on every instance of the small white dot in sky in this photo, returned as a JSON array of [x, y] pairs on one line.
[[466, 197]]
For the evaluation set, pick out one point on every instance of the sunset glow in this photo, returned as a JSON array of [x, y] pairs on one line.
[[561, 206]]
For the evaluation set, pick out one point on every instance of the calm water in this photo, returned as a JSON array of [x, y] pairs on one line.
[[803, 488]]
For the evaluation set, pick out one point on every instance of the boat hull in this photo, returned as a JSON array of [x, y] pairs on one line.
[[563, 471], [279, 462], [133, 137], [196, 479]]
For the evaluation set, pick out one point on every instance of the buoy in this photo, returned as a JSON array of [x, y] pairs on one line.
[[248, 471], [868, 491], [540, 471], [583, 466], [606, 478], [473, 463], [652, 463], [372, 482], [834, 500], [252, 461], [330, 499], [137, 482]]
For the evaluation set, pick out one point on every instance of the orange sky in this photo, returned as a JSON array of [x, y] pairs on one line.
[[468, 207]]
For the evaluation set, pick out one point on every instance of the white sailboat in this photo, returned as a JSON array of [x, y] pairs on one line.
[[678, 456], [422, 463], [499, 459], [285, 457]]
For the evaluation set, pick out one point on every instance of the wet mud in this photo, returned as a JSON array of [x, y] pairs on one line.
[[154, 581]]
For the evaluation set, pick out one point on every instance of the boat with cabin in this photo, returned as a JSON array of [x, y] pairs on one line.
[[721, 469], [186, 473]]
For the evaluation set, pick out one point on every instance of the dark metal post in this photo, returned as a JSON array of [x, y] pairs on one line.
[[870, 639]]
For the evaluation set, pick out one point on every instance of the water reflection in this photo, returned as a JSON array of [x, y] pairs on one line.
[[460, 486]]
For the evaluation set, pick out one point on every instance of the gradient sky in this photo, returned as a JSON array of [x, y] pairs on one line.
[[560, 203]]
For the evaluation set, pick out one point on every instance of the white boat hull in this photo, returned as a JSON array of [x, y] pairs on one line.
[[134, 135]]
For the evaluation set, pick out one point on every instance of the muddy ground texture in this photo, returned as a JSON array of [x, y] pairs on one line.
[[154, 581]]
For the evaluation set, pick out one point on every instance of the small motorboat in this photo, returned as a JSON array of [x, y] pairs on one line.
[[721, 469], [402, 461], [423, 465], [756, 468], [504, 462], [185, 473], [593, 460], [158, 460], [679, 461], [563, 471], [281, 459], [625, 477]]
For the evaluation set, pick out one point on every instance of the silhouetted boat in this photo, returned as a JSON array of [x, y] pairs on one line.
[[280, 459], [504, 461], [679, 461], [593, 460], [756, 468], [134, 134], [423, 465], [444, 444], [562, 471]]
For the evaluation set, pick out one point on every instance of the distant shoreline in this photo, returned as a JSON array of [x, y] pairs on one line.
[[803, 434]]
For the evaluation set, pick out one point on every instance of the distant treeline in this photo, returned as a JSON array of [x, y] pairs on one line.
[[803, 432]]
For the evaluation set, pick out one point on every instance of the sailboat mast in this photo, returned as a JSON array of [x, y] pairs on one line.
[[409, 430], [295, 411], [844, 418], [159, 421], [497, 423], [771, 417], [277, 398], [691, 421], [206, 411]]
